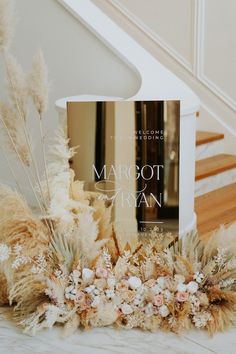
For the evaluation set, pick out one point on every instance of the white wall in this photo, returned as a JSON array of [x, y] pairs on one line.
[[196, 40], [77, 61]]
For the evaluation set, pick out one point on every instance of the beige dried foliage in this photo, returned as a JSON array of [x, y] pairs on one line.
[[18, 227], [12, 205], [14, 132], [102, 214], [6, 23], [87, 234], [38, 83], [223, 310]]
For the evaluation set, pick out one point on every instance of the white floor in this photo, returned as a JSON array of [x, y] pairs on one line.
[[109, 341]]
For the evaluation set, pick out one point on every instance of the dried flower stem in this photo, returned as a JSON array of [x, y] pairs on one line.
[[44, 154], [12, 171]]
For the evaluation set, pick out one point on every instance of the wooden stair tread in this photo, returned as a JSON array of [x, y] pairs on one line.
[[213, 165], [203, 137], [216, 208]]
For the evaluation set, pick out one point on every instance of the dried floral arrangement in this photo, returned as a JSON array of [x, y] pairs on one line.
[[68, 265]]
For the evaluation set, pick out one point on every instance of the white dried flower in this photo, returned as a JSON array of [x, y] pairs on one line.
[[164, 311], [181, 287], [227, 282], [70, 293], [198, 277], [96, 291], [161, 281], [87, 275], [40, 265], [179, 278], [21, 260], [200, 320], [126, 309], [109, 294], [168, 296], [156, 289], [134, 283], [95, 302], [195, 303], [89, 289], [220, 258], [4, 252], [59, 274], [75, 276], [149, 310], [192, 287], [111, 282], [138, 299], [17, 249]]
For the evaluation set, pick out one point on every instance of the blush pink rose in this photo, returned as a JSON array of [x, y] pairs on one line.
[[80, 298], [101, 272], [158, 300], [182, 296]]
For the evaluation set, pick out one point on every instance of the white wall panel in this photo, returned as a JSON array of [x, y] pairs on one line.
[[170, 23], [218, 55]]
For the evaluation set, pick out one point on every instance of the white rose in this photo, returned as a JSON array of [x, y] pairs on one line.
[[87, 275], [181, 287], [192, 287], [164, 311], [134, 283], [126, 309]]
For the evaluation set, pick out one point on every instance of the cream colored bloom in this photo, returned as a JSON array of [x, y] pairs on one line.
[[126, 309], [134, 283], [164, 311], [192, 287]]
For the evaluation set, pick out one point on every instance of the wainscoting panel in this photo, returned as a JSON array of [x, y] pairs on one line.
[[217, 56], [171, 24]]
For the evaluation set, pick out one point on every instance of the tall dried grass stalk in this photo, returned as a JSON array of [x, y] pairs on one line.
[[39, 89], [6, 23]]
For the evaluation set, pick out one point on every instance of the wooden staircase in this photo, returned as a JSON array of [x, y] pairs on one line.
[[215, 202]]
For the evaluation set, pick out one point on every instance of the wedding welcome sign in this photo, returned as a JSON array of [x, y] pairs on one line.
[[128, 153]]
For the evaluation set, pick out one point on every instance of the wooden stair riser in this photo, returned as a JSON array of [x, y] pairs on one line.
[[215, 182], [209, 149]]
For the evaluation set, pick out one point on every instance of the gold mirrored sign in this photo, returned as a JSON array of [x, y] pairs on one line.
[[128, 153]]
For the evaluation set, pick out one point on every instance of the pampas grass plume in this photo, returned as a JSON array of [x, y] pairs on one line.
[[6, 24], [17, 85], [38, 83], [14, 132]]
